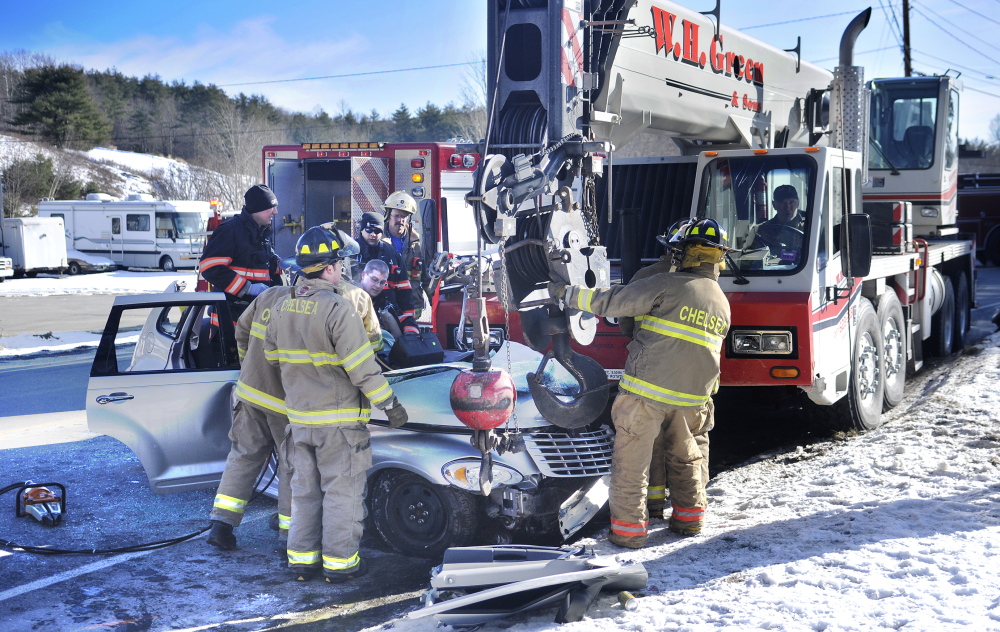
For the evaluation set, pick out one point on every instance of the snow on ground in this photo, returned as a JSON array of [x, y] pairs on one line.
[[898, 529]]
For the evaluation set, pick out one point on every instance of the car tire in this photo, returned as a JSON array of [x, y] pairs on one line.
[[419, 518], [74, 268], [893, 327], [167, 264]]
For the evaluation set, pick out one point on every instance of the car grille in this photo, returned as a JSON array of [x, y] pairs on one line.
[[563, 454]]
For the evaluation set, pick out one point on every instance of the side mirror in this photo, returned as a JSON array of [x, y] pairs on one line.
[[857, 259]]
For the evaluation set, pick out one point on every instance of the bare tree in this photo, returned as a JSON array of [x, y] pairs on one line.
[[237, 156], [475, 100], [12, 67]]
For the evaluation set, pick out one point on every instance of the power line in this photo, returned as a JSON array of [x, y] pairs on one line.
[[356, 74], [890, 18], [953, 36], [972, 35], [955, 65], [816, 17], [986, 17], [864, 52]]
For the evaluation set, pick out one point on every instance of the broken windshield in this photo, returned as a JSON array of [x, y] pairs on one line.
[[763, 203]]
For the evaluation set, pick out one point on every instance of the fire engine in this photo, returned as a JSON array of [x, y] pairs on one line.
[[317, 183], [840, 310]]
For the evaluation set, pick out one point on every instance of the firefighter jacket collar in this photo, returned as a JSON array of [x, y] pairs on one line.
[[707, 270], [259, 232]]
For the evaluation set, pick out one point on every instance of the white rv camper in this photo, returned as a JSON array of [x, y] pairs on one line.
[[34, 244], [135, 232]]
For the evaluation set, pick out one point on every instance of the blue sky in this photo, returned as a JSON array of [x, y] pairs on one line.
[[226, 42]]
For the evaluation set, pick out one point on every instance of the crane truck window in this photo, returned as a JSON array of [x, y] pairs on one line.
[[765, 204]]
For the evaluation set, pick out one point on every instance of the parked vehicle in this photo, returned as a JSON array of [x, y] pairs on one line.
[[6, 268], [979, 213], [80, 262], [839, 311], [169, 400], [34, 244], [135, 232]]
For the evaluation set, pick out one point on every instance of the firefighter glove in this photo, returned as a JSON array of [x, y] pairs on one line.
[[256, 288], [557, 290], [397, 414]]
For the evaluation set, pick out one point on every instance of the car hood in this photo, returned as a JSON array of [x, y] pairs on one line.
[[425, 391], [94, 260]]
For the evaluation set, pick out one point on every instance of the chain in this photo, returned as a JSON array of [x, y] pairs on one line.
[[502, 289]]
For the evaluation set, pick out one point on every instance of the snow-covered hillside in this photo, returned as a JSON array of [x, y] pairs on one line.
[[118, 173]]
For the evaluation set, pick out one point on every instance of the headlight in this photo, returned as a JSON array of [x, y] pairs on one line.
[[464, 474], [762, 342]]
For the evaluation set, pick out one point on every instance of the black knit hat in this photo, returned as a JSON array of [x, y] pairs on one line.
[[259, 198], [371, 220]]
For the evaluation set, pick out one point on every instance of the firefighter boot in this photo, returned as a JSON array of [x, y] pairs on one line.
[[336, 577], [685, 529], [222, 536], [636, 542]]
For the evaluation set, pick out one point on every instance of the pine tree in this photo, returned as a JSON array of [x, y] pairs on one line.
[[59, 108]]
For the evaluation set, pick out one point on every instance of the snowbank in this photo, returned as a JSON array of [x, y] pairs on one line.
[[117, 282]]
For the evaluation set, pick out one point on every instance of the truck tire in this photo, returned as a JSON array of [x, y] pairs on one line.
[[962, 311], [894, 344], [419, 518], [74, 268], [943, 324], [167, 264], [861, 408]]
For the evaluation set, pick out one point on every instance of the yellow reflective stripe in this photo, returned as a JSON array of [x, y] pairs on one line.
[[303, 356], [258, 330], [284, 522], [241, 351], [660, 394], [380, 394], [584, 297], [322, 417], [341, 563], [351, 363], [681, 332], [309, 558], [262, 399], [656, 492], [229, 503]]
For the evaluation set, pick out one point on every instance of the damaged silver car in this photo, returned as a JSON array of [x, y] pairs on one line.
[[170, 401]]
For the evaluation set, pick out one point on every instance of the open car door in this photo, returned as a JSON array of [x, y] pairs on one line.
[[165, 389]]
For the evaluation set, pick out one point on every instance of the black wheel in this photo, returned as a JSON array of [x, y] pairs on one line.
[[943, 324], [167, 264], [74, 268], [962, 307], [861, 408], [894, 341], [419, 518], [31, 274]]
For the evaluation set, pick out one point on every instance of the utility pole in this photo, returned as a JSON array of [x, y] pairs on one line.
[[907, 66]]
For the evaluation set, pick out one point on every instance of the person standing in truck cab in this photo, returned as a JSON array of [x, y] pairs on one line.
[[670, 375], [239, 259], [783, 233], [399, 208], [397, 294]]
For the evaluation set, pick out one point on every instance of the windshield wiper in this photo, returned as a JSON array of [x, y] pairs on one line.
[[740, 279], [875, 144]]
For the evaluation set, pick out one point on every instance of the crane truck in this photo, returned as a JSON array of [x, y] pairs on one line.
[[840, 311]]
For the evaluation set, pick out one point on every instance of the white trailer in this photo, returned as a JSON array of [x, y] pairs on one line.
[[135, 232], [34, 244]]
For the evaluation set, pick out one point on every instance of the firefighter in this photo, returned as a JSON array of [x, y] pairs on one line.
[[259, 424], [397, 292], [399, 208], [670, 375], [239, 259], [331, 380]]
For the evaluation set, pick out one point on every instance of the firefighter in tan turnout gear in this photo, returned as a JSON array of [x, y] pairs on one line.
[[331, 380], [670, 375], [259, 424]]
